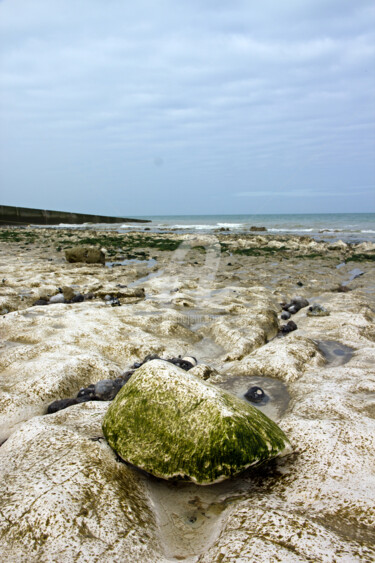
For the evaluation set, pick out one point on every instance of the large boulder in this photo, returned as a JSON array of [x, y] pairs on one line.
[[85, 254], [174, 425]]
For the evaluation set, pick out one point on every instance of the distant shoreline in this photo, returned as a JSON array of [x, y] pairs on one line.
[[11, 215]]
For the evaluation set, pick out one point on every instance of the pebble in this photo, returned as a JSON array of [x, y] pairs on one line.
[[289, 327], [58, 298], [190, 359], [295, 305], [60, 405], [183, 364], [87, 391], [107, 389], [40, 302], [317, 311], [285, 315], [255, 394], [77, 298]]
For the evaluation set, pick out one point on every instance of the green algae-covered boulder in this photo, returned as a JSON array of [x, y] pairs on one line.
[[173, 425]]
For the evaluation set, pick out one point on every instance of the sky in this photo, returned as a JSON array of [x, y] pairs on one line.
[[189, 107]]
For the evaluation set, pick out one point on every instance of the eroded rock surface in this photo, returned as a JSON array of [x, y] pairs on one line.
[[64, 497]]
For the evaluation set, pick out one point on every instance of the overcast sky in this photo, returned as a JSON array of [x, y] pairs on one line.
[[188, 106]]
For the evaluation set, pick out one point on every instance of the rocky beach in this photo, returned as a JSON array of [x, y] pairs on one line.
[[87, 315]]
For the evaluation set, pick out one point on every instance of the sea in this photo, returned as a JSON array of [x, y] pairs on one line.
[[348, 227]]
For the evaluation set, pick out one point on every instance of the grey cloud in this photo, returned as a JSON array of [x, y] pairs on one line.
[[224, 94]]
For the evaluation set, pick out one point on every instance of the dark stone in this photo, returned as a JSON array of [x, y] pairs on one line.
[[126, 375], [86, 399], [300, 284], [258, 229], [293, 309], [136, 365], [285, 315], [60, 405], [77, 298], [86, 391], [295, 305], [107, 389], [255, 395], [183, 364], [289, 327], [150, 357], [229, 264], [40, 302], [115, 302]]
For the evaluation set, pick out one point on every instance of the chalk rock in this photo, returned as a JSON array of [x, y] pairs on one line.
[[283, 358], [174, 425], [85, 254], [64, 496]]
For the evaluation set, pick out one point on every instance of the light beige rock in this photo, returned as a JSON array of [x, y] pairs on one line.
[[64, 497], [86, 254], [284, 358]]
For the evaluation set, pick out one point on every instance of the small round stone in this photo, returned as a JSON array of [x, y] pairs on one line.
[[255, 394]]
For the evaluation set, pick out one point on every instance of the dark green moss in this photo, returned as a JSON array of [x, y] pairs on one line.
[[361, 258]]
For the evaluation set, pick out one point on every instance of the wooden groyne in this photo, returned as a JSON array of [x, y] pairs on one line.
[[10, 215]]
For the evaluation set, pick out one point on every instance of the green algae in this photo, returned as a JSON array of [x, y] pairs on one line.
[[173, 425]]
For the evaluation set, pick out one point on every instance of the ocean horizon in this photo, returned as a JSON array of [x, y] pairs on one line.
[[348, 227]]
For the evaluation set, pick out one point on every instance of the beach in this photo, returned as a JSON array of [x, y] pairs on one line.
[[217, 296]]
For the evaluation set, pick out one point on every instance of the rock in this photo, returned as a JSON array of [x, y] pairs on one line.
[[257, 229], [172, 425], [295, 305], [68, 293], [85, 254], [150, 357], [300, 284], [286, 359], [255, 394], [65, 497], [107, 389], [86, 391], [58, 298], [181, 363], [190, 359], [317, 310], [202, 371], [127, 375], [77, 298], [109, 292], [285, 315], [40, 302], [60, 405], [289, 327]]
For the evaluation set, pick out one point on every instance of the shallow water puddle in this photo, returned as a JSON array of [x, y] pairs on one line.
[[353, 274], [276, 398], [335, 353], [128, 262]]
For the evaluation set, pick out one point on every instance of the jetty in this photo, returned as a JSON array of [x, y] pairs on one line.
[[10, 215]]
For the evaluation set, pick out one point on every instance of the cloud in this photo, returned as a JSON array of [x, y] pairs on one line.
[[224, 94]]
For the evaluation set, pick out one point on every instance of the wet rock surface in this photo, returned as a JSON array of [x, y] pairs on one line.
[[173, 425], [60, 500]]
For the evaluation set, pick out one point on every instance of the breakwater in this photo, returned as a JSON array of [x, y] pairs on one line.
[[10, 215]]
